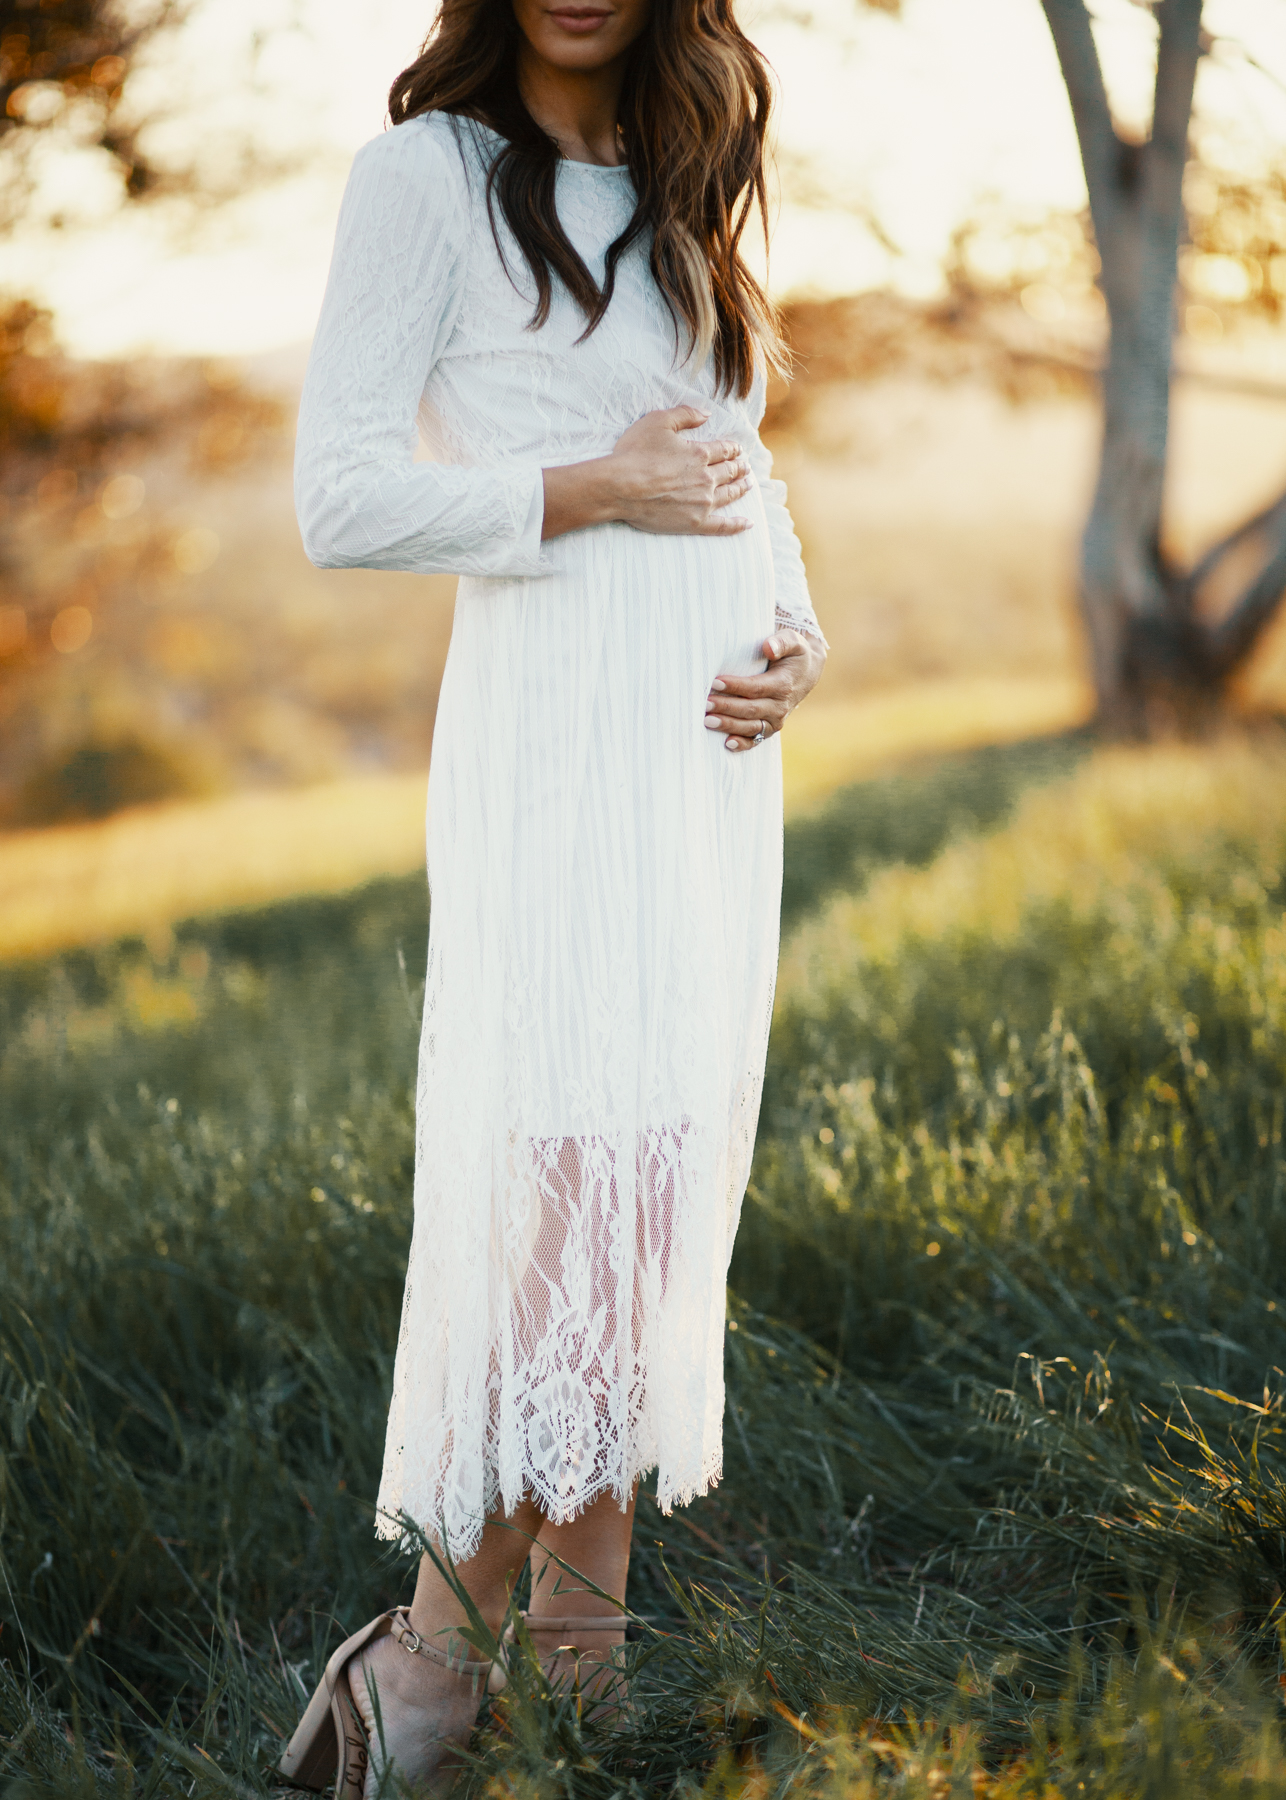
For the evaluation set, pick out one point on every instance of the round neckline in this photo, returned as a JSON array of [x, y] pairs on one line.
[[574, 162], [564, 162]]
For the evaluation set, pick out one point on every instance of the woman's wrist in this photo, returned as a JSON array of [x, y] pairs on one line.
[[810, 630], [580, 494]]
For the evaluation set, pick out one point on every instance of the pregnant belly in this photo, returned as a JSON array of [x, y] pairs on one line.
[[593, 848], [615, 598], [586, 689]]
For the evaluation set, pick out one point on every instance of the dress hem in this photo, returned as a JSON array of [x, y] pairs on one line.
[[400, 1528]]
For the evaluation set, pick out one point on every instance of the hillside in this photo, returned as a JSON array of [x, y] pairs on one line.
[[1003, 1508], [162, 635]]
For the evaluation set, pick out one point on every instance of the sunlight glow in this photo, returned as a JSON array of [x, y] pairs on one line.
[[918, 120]]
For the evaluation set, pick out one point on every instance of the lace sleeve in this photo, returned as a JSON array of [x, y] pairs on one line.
[[392, 298], [794, 607]]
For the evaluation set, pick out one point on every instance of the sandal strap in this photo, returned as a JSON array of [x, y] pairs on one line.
[[401, 1629], [593, 1622]]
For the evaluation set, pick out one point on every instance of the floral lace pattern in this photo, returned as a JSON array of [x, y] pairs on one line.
[[605, 877]]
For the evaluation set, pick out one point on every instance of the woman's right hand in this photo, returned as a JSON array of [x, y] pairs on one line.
[[658, 478], [673, 483]]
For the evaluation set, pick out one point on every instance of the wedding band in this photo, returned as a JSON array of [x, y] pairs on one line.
[[764, 731]]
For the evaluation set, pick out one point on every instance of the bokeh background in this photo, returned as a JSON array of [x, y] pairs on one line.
[[168, 228]]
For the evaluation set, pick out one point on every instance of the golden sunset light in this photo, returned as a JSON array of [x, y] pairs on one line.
[[643, 899]]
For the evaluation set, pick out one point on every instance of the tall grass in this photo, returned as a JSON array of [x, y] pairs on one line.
[[1004, 1508]]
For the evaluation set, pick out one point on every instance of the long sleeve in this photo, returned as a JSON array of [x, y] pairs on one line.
[[794, 605], [393, 296]]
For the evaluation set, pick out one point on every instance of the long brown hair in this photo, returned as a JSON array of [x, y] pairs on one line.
[[694, 114]]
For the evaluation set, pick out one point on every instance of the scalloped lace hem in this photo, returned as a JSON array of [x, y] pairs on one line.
[[464, 1538]]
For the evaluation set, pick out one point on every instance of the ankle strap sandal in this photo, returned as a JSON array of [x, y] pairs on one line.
[[539, 1625], [411, 1641], [330, 1742]]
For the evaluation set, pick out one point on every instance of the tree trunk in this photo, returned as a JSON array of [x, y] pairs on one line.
[[1158, 666], [1150, 672]]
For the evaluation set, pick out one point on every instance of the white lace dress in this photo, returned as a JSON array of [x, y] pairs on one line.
[[604, 874]]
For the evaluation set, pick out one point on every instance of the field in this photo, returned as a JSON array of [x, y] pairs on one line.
[[1004, 1507], [939, 521], [145, 868]]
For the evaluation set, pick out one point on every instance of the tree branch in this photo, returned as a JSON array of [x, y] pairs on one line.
[[1249, 528], [1069, 26], [1166, 156], [1234, 636]]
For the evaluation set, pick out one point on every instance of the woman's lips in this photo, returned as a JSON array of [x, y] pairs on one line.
[[578, 19]]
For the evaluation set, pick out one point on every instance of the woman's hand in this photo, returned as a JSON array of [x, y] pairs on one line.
[[751, 708], [658, 478]]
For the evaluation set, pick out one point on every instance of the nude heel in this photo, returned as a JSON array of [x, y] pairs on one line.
[[330, 1741]]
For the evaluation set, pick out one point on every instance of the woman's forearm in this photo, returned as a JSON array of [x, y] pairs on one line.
[[580, 494], [657, 478]]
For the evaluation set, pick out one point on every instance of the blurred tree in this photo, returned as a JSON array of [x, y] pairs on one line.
[[88, 548], [72, 79], [83, 542], [1161, 660], [63, 70]]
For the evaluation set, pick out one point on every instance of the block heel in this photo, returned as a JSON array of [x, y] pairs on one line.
[[330, 1743]]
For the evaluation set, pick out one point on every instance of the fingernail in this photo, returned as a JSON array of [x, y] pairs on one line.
[[717, 685], [714, 724], [733, 743], [774, 646]]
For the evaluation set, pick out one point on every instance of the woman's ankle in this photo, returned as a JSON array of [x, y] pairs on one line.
[[445, 1626]]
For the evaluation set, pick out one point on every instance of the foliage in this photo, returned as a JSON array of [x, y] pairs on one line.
[[78, 419], [1020, 308], [86, 535], [91, 85], [1234, 262], [1004, 1505], [64, 65], [97, 779]]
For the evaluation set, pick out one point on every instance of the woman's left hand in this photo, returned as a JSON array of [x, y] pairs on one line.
[[752, 708]]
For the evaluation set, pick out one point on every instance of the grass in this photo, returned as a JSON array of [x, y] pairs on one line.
[[1004, 1510], [143, 870], [833, 742]]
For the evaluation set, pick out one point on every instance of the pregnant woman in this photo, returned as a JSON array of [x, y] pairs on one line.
[[539, 265]]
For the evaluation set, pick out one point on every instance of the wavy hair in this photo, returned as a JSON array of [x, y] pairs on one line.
[[693, 117]]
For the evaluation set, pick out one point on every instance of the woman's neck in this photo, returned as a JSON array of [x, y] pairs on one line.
[[577, 107]]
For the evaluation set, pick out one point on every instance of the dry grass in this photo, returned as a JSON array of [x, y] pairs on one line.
[[139, 872], [828, 745]]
